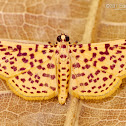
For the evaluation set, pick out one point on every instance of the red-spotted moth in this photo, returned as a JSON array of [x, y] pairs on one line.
[[86, 71]]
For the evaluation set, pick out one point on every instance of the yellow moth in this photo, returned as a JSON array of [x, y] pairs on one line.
[[40, 72]]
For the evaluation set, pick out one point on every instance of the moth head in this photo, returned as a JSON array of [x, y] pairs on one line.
[[63, 38]]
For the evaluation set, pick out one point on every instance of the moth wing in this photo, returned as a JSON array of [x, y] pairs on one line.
[[108, 59], [108, 56], [16, 58], [90, 82], [37, 83]]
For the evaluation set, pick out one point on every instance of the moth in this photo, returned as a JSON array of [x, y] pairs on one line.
[[40, 72]]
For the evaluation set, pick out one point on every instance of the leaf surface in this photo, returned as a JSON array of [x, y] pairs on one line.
[[42, 21]]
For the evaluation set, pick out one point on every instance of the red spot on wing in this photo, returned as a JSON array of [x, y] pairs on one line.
[[38, 91], [82, 74], [12, 58], [115, 61], [30, 49], [123, 47], [45, 46], [36, 47], [106, 88], [90, 80], [94, 55], [44, 91], [3, 49], [73, 76], [97, 72], [30, 73], [21, 69], [19, 47], [94, 63], [74, 87], [17, 77], [77, 56], [53, 88], [11, 62], [116, 46], [87, 66], [89, 46], [6, 61], [50, 65], [67, 62], [70, 51], [104, 85], [89, 91], [104, 67], [36, 81], [24, 54], [110, 76], [52, 77], [76, 65], [7, 53], [82, 50], [111, 48], [80, 45], [14, 68], [95, 48], [32, 64], [32, 56], [57, 51], [95, 92], [41, 84], [106, 50], [93, 87], [95, 80], [49, 57], [24, 60], [101, 59], [39, 67], [6, 73], [83, 68], [40, 61], [122, 65], [23, 80], [83, 91], [81, 84], [99, 87], [34, 88], [119, 59], [23, 86], [85, 60], [4, 67], [51, 51], [3, 58], [112, 66], [43, 51], [86, 83], [105, 78], [122, 56], [118, 52]]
